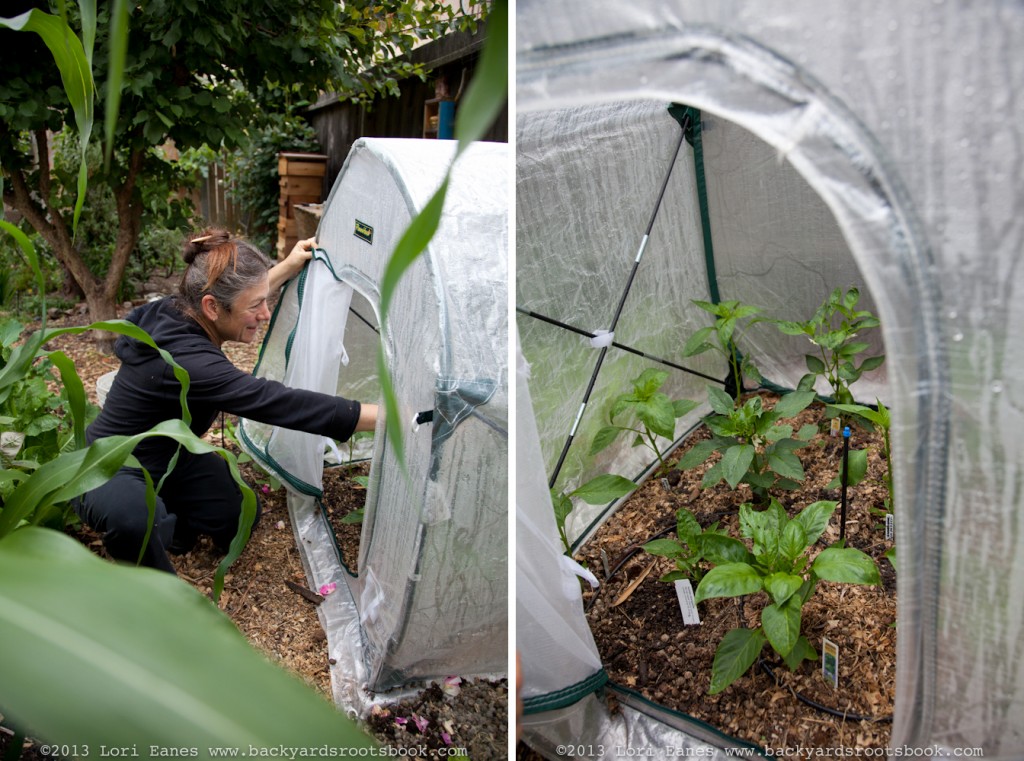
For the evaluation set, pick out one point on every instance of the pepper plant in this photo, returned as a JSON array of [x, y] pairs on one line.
[[693, 546], [879, 419], [597, 491], [779, 565], [832, 330], [654, 412], [732, 320], [756, 447]]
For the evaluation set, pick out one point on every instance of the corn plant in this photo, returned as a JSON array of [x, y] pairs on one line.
[[655, 415], [779, 565], [756, 447], [832, 330], [732, 320]]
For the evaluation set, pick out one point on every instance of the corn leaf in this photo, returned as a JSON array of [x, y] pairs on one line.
[[172, 669]]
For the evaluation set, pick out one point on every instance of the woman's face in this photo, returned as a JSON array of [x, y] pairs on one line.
[[242, 321]]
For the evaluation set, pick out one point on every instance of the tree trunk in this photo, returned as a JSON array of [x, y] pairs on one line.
[[100, 295]]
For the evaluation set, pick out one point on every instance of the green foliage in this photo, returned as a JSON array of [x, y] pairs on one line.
[[597, 491], [653, 409], [35, 423], [732, 320], [135, 636], [779, 565], [252, 172], [832, 330], [756, 447], [879, 419], [693, 546]]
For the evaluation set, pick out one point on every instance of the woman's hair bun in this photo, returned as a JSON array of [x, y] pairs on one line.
[[205, 241]]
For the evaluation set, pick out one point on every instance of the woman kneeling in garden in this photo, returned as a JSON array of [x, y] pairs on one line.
[[222, 297]]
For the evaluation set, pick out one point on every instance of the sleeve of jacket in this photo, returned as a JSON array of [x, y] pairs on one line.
[[216, 381]]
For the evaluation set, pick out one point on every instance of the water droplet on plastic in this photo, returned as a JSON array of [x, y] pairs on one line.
[[997, 387], [893, 25], [643, 80], [958, 336], [952, 314], [968, 91]]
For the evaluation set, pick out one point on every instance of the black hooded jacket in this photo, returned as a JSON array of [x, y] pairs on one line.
[[145, 391]]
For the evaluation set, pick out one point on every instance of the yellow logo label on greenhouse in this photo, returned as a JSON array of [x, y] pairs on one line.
[[364, 231]]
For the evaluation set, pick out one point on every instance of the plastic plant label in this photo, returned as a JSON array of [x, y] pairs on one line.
[[687, 606], [890, 526], [834, 429], [666, 485], [830, 661]]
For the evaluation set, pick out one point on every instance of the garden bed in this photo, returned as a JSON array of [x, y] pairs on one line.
[[645, 646]]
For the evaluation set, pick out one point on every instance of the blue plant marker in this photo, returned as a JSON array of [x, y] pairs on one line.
[[846, 478]]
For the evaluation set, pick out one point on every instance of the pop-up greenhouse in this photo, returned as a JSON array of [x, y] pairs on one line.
[[768, 153], [429, 598]]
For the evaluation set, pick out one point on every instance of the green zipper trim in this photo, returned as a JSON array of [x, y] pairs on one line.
[[565, 697]]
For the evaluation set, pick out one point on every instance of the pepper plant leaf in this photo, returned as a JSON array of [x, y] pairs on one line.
[[847, 565], [736, 653], [728, 580], [781, 624], [800, 653], [604, 489], [735, 463]]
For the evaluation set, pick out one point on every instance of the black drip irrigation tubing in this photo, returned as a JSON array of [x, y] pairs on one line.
[[818, 706], [845, 715]]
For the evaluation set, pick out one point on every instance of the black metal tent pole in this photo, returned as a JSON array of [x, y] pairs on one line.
[[684, 125], [617, 345]]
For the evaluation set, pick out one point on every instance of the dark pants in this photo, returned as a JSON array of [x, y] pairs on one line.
[[199, 497]]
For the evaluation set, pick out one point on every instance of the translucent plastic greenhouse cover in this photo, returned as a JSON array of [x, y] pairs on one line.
[[868, 144], [430, 597]]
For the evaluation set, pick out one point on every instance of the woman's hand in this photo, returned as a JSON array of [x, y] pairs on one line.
[[292, 264]]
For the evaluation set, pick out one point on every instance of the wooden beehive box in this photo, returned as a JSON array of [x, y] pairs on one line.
[[302, 179]]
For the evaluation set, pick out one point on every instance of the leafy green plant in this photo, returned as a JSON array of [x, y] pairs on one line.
[[694, 545], [654, 411], [35, 426], [832, 330], [732, 320], [779, 565], [756, 447], [252, 172], [234, 697], [597, 491], [880, 420]]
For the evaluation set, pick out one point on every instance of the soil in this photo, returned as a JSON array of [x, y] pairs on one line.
[[342, 497], [280, 622], [645, 646]]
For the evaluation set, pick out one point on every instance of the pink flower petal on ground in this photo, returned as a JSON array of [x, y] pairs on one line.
[[447, 738], [326, 589], [401, 721], [265, 489], [421, 723], [279, 525], [451, 686]]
